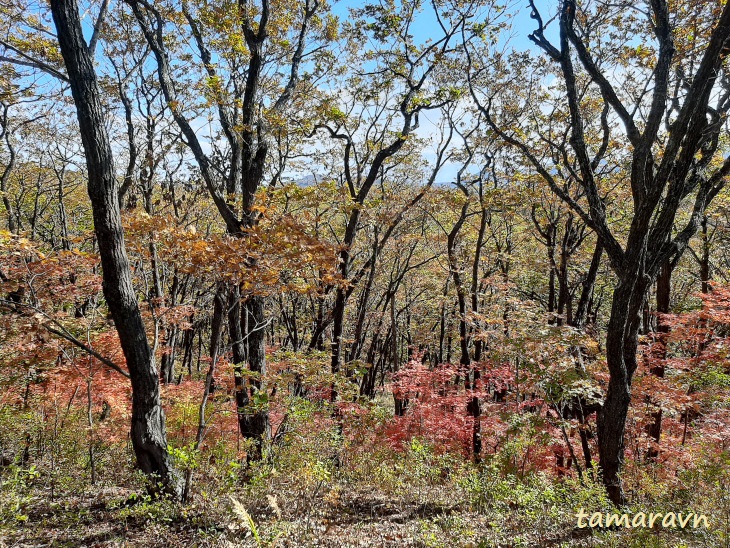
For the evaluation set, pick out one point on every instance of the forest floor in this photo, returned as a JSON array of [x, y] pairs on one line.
[[315, 488], [332, 517]]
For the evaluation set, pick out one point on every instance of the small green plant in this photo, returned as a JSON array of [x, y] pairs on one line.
[[15, 491], [186, 457]]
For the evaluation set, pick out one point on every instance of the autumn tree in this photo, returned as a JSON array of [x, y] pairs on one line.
[[664, 106], [236, 45], [377, 126], [148, 433]]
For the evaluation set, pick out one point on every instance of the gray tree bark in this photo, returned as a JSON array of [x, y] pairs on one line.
[[148, 433]]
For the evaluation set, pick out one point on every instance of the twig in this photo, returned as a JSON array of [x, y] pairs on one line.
[[65, 334]]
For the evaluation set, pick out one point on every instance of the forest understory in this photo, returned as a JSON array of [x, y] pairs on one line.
[[411, 498], [386, 273]]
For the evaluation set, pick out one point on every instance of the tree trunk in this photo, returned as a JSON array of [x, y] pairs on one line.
[[62, 218], [705, 258], [149, 437], [663, 293], [581, 314], [442, 321], [5, 177], [246, 328], [622, 342], [167, 363], [565, 305], [338, 320], [255, 423], [552, 300], [359, 335]]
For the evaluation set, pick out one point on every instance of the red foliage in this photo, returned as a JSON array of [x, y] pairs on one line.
[[694, 357], [436, 405]]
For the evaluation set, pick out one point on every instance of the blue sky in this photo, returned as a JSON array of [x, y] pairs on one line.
[[521, 26], [522, 23]]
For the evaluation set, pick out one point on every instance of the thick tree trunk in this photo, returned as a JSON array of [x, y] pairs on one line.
[[401, 405], [246, 326], [149, 437], [255, 424], [338, 320], [471, 375], [622, 342]]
